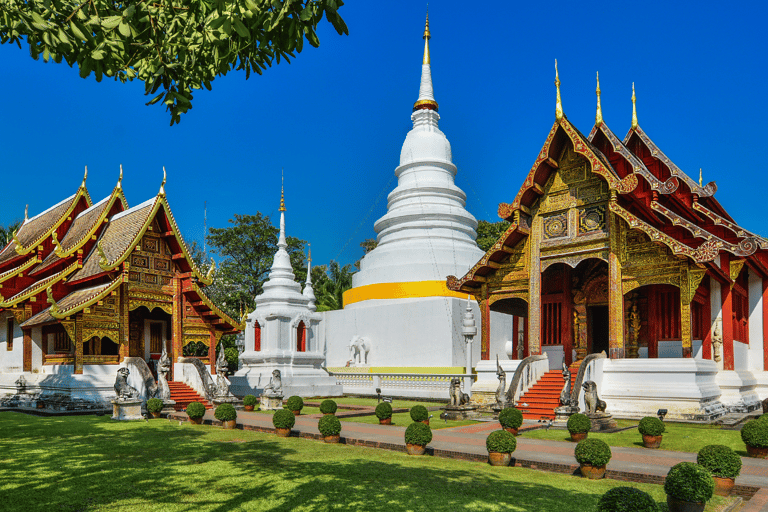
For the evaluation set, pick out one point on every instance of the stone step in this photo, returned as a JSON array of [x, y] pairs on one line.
[[183, 395]]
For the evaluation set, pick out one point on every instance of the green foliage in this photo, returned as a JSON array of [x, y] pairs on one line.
[[720, 460], [755, 433], [6, 232], [651, 426], [510, 417], [283, 418], [419, 413], [250, 400], [330, 284], [626, 499], [154, 405], [687, 481], [418, 433], [225, 412], [195, 410], [328, 407], [489, 232], [294, 403], [501, 441], [329, 425], [175, 46], [578, 424], [232, 356], [592, 451], [383, 411]]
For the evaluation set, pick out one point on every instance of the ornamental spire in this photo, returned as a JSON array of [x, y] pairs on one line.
[[426, 99], [281, 239], [120, 179], [701, 178], [309, 292], [559, 104], [162, 185], [634, 108], [85, 177], [282, 192], [599, 114]]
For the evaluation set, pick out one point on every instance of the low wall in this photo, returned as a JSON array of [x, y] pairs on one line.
[[406, 385]]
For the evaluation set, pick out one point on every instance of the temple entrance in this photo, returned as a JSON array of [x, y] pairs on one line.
[[517, 346], [149, 330], [597, 320]]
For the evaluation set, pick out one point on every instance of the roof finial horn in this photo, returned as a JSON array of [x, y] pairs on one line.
[[26, 213], [120, 179], [559, 105], [701, 178], [162, 185], [85, 177], [599, 114], [634, 108]]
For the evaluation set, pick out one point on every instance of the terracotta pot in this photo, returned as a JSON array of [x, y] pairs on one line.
[[329, 414], [651, 441], [499, 458], [758, 453], [512, 431], [229, 424], [283, 432], [676, 505], [415, 449], [578, 436], [248, 407], [426, 422], [332, 439], [155, 414], [593, 472], [296, 413], [385, 421], [196, 421], [723, 485], [40, 404]]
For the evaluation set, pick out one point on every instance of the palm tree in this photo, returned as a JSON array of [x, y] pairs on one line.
[[329, 291], [6, 232]]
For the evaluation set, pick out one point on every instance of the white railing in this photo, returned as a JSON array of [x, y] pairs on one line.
[[410, 385]]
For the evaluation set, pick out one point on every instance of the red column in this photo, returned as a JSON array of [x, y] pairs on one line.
[[212, 352], [485, 330], [765, 323], [727, 313], [27, 350], [515, 340]]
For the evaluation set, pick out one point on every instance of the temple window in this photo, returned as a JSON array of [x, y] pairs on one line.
[[668, 313], [155, 337], [698, 329], [301, 337], [551, 322], [9, 334], [256, 336], [100, 347], [58, 339]]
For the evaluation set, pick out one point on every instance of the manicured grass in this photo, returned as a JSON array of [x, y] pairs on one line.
[[94, 463], [681, 437], [403, 419]]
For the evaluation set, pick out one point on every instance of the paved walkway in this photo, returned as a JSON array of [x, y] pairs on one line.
[[468, 442]]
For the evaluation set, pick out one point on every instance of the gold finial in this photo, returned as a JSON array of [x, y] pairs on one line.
[[58, 250], [701, 178], [162, 185], [51, 300], [85, 177], [211, 270], [559, 105], [599, 115], [282, 192], [103, 261], [26, 213], [634, 108], [309, 249], [120, 179], [426, 38]]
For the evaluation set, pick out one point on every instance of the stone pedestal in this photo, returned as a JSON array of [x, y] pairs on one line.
[[168, 406], [236, 402], [496, 408], [562, 414], [602, 421], [464, 412], [129, 409], [271, 403]]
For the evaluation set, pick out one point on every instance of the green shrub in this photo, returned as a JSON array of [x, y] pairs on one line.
[[720, 460], [294, 403], [250, 400], [593, 452], [154, 405], [329, 425], [500, 441], [510, 417], [626, 499], [419, 413], [195, 410], [755, 433], [328, 407], [225, 412], [579, 424], [418, 433], [763, 417], [383, 411], [283, 418], [651, 426], [687, 481]]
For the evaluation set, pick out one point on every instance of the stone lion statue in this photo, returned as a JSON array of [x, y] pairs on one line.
[[457, 397], [592, 402], [275, 386], [122, 388]]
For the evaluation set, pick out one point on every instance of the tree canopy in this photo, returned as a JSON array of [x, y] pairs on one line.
[[173, 46], [6, 232], [489, 232]]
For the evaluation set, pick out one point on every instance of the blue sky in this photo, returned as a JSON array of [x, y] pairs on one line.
[[336, 117]]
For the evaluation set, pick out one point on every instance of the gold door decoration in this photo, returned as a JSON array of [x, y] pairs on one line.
[[150, 301], [109, 330], [194, 332]]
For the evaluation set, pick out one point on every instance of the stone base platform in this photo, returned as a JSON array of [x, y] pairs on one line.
[[126, 410], [464, 412], [602, 422], [270, 403]]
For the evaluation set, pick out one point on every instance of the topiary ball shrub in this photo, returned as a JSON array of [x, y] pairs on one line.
[[328, 407], [383, 411], [418, 433], [687, 481], [651, 426], [501, 441], [329, 425], [294, 403], [511, 417], [626, 499], [419, 413], [593, 452], [195, 410], [720, 460], [579, 424], [154, 405], [250, 400], [755, 433], [225, 412], [284, 418]]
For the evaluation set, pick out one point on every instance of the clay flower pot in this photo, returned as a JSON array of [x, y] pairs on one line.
[[415, 449], [331, 439], [512, 431], [651, 441], [155, 414], [283, 432], [229, 424], [385, 421], [676, 505], [248, 407], [758, 453], [723, 486], [499, 458], [196, 421], [296, 413], [578, 436], [426, 422], [40, 404], [593, 472]]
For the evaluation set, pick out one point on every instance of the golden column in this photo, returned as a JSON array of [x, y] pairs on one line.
[[615, 294]]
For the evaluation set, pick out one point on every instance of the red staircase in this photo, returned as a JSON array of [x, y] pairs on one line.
[[184, 395], [542, 398]]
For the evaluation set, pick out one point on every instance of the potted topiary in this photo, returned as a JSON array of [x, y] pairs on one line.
[[196, 411], [417, 437], [294, 404], [579, 426], [227, 415], [723, 463], [511, 419], [330, 428], [283, 420], [328, 407], [688, 487], [154, 406], [420, 413], [626, 499], [651, 429], [500, 445], [592, 455], [754, 433], [249, 402], [384, 413]]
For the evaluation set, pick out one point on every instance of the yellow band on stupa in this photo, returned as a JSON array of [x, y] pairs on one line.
[[399, 291]]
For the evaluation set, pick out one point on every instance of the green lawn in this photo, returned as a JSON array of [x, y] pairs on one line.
[[681, 437], [96, 464]]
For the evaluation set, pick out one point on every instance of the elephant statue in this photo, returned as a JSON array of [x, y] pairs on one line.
[[359, 348]]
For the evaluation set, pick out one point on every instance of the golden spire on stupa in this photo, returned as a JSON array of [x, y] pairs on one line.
[[426, 99], [426, 38], [599, 114], [634, 108], [282, 193], [559, 105]]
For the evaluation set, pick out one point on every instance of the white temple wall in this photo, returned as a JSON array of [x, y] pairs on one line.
[[37, 348], [756, 342], [11, 360], [501, 335]]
